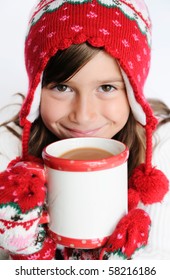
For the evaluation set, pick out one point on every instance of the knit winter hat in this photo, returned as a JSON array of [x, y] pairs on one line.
[[121, 27]]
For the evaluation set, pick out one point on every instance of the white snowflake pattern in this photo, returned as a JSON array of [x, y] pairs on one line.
[[76, 28], [130, 64], [145, 51], [92, 15], [64, 18], [125, 7], [135, 37], [133, 9], [139, 78], [51, 34], [42, 29], [116, 23], [119, 236], [104, 31], [35, 49], [32, 70], [139, 245], [138, 57], [29, 42], [42, 54], [125, 43]]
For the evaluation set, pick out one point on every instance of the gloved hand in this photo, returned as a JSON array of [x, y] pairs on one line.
[[42, 249], [130, 234], [22, 199]]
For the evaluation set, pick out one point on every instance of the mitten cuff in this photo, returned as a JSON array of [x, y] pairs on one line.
[[47, 252]]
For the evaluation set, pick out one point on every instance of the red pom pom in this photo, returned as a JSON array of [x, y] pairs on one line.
[[151, 187], [133, 199]]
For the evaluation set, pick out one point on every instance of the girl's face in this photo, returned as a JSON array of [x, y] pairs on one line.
[[93, 103]]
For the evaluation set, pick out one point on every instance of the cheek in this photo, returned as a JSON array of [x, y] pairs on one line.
[[50, 110], [118, 110]]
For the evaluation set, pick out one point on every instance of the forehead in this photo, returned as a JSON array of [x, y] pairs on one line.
[[101, 67]]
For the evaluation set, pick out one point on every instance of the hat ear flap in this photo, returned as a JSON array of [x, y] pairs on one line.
[[136, 108]]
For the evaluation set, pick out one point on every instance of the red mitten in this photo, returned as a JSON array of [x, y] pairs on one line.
[[22, 198], [130, 234]]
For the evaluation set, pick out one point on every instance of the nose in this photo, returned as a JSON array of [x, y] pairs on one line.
[[84, 109]]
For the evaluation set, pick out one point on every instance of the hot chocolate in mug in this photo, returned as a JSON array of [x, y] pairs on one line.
[[87, 189]]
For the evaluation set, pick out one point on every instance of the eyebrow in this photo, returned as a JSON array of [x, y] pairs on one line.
[[99, 82], [119, 80]]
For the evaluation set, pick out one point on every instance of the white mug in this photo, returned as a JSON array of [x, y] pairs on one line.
[[86, 198]]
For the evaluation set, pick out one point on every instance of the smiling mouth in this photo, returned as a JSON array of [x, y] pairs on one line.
[[81, 133]]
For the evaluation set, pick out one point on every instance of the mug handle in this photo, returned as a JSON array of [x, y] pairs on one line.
[[44, 218]]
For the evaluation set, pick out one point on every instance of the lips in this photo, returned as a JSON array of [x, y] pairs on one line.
[[82, 133]]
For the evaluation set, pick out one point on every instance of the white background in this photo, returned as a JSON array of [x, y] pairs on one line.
[[13, 23]]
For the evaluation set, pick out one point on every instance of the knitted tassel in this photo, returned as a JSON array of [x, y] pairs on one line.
[[149, 182], [133, 199]]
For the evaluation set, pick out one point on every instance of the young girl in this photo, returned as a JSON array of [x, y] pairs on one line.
[[87, 62]]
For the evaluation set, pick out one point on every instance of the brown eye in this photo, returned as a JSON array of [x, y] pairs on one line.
[[107, 88], [61, 88]]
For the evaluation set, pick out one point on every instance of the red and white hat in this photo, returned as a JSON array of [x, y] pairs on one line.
[[121, 27]]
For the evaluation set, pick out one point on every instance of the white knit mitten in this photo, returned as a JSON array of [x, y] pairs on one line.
[[22, 200]]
